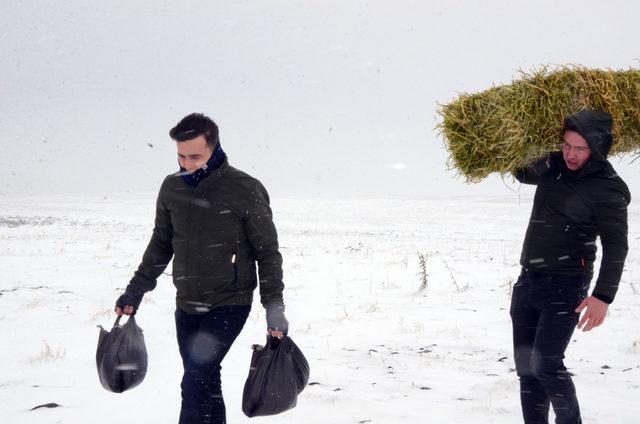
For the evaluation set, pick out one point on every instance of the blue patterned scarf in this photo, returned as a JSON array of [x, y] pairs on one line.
[[215, 161]]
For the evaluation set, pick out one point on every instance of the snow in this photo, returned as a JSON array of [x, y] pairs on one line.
[[380, 349]]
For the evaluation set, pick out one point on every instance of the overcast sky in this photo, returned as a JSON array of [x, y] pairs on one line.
[[315, 98]]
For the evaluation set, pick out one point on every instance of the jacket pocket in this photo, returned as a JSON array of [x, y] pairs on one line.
[[572, 253], [580, 246], [567, 242]]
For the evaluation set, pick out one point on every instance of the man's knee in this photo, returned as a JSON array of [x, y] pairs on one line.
[[547, 367], [203, 383], [522, 359]]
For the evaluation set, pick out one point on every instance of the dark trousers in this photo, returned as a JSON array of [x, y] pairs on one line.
[[203, 341], [544, 318]]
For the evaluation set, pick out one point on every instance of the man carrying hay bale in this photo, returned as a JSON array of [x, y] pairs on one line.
[[579, 196]]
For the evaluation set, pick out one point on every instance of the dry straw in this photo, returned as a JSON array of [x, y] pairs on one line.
[[509, 126]]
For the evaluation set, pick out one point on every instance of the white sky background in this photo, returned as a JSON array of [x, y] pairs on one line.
[[315, 98]]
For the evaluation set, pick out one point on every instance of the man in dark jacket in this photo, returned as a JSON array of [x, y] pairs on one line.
[[216, 224], [579, 196]]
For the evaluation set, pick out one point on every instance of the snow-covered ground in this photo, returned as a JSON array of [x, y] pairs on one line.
[[381, 349]]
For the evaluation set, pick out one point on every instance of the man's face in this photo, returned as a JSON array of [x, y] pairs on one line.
[[575, 150], [194, 153]]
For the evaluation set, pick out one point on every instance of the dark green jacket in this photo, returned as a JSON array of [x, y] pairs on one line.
[[572, 208], [216, 232]]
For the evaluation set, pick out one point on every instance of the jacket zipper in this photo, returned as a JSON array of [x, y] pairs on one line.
[[235, 268]]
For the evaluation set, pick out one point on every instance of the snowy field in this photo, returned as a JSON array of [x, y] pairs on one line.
[[381, 349]]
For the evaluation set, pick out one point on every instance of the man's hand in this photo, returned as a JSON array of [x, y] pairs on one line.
[[275, 333], [128, 304], [128, 310], [277, 324], [596, 310]]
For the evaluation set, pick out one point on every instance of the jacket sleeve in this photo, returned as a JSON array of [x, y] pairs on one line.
[[611, 221], [158, 253], [533, 174], [262, 235]]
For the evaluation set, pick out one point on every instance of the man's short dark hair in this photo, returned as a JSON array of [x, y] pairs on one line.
[[194, 125]]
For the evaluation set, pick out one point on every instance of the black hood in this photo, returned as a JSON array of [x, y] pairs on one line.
[[596, 128]]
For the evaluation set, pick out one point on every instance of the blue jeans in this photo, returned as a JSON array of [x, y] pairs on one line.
[[204, 340], [544, 318]]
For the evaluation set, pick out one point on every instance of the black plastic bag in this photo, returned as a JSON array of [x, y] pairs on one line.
[[121, 356], [278, 373]]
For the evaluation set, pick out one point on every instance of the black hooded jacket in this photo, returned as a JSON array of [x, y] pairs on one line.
[[572, 208]]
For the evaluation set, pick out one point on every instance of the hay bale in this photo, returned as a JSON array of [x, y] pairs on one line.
[[510, 126]]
